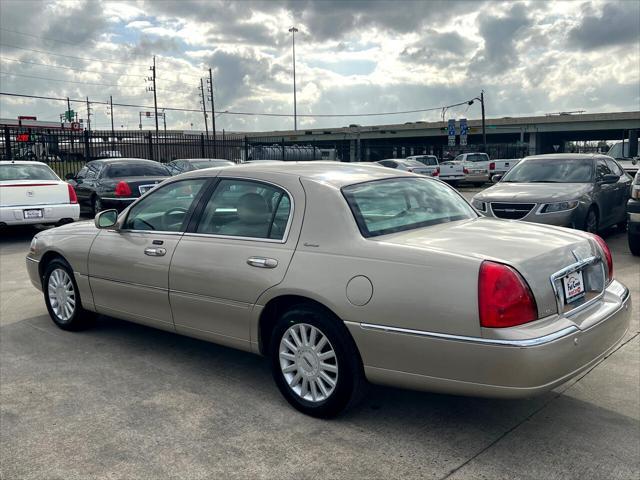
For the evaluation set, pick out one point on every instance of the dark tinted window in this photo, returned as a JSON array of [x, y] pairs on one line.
[[387, 206], [614, 167], [477, 157], [431, 161], [564, 170], [243, 208], [26, 171], [602, 169], [118, 170]]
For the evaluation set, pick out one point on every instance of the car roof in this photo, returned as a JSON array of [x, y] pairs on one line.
[[201, 160], [566, 156], [122, 160], [21, 162], [336, 174]]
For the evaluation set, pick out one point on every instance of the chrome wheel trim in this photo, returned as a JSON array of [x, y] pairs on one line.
[[308, 362], [62, 294]]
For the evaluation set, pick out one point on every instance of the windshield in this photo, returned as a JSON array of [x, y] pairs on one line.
[[26, 171], [569, 170], [118, 170], [398, 204]]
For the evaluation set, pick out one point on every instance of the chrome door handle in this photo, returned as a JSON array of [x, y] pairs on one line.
[[155, 252], [262, 262]]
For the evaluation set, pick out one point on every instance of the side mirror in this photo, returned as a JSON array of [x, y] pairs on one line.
[[609, 178], [70, 176], [106, 219], [496, 178]]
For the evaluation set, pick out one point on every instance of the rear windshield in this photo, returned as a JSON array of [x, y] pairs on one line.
[[208, 164], [394, 205], [478, 157], [569, 170], [427, 160], [26, 171], [119, 170]]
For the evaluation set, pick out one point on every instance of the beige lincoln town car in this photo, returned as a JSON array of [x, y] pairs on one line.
[[342, 273]]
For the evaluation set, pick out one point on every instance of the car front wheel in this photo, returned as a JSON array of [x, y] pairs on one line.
[[591, 221], [315, 362], [63, 298]]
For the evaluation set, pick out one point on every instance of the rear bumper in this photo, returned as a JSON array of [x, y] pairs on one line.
[[118, 204], [477, 177], [14, 215], [493, 368]]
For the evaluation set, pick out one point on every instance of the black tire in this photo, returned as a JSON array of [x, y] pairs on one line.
[[634, 243], [350, 381], [96, 205], [591, 221], [79, 318]]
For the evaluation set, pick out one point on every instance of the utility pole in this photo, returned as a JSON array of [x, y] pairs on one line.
[[213, 111], [484, 131], [293, 31], [69, 110], [113, 132], [88, 115], [204, 109], [153, 89], [164, 120]]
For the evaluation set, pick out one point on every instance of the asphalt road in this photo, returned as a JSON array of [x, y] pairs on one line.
[[126, 401]]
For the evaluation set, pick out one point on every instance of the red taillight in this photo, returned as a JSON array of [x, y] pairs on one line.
[[73, 198], [607, 255], [436, 172], [123, 189], [504, 298], [465, 171], [492, 166]]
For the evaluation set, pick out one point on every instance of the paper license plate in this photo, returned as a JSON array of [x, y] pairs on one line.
[[32, 213], [573, 284], [145, 188]]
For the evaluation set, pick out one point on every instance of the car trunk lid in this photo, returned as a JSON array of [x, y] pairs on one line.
[[33, 192], [538, 252], [138, 185]]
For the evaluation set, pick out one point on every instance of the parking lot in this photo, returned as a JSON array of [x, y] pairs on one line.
[[127, 401]]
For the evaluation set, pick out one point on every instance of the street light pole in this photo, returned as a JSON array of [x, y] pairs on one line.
[[484, 131], [293, 31]]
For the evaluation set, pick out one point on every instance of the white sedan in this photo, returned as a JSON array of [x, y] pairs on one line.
[[31, 193]]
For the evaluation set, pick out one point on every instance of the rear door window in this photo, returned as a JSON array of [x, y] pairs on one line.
[[247, 209]]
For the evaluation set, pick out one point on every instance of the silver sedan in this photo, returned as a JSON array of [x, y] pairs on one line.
[[340, 274], [587, 192]]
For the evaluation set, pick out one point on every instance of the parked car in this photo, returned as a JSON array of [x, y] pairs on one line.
[[115, 183], [342, 273], [501, 166], [633, 216], [449, 172], [182, 165], [630, 163], [477, 165], [32, 193], [407, 165], [583, 191]]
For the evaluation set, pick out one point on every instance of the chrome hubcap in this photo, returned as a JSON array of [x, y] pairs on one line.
[[308, 362], [62, 296]]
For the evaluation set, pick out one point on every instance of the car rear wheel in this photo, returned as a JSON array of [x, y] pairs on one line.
[[63, 298], [634, 243], [591, 221], [315, 362], [96, 205]]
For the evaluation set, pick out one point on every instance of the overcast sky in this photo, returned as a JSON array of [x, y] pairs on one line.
[[351, 57]]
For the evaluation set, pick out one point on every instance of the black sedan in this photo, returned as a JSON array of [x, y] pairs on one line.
[[182, 165], [115, 182]]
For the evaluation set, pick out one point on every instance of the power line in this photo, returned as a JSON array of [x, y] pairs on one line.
[[70, 68], [38, 36], [263, 114], [71, 56], [68, 81]]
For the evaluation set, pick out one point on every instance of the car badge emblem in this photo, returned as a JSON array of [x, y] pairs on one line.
[[29, 193]]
